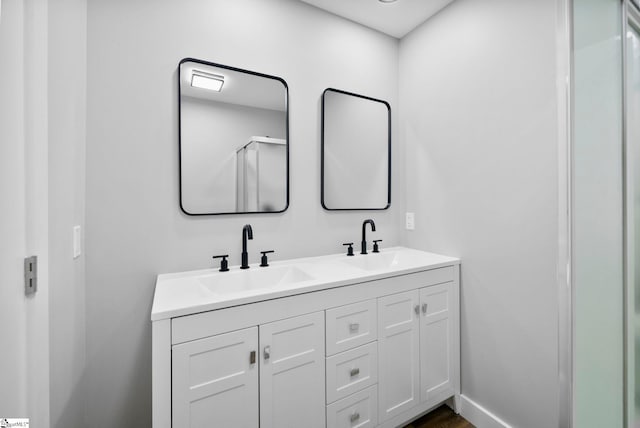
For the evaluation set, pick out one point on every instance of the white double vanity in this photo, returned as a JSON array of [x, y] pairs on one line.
[[332, 341]]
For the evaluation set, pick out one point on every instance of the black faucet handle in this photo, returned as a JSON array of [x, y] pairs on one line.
[[350, 249], [224, 264], [263, 261], [375, 245]]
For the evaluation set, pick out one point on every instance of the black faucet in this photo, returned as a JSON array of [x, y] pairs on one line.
[[247, 233], [364, 234]]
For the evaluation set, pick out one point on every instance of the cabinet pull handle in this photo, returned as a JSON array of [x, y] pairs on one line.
[[354, 326], [354, 416], [252, 357], [424, 308], [354, 372], [417, 309], [267, 352]]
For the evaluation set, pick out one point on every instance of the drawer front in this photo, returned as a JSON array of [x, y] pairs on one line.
[[356, 411], [350, 326], [213, 321], [352, 371]]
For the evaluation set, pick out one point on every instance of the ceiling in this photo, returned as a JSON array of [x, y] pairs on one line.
[[245, 89], [395, 19]]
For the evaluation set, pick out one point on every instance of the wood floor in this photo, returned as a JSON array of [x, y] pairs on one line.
[[442, 417]]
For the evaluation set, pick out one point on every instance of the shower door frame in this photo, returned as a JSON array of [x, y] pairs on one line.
[[566, 295], [630, 21]]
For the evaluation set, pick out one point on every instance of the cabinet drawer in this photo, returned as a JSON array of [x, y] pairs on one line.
[[350, 326], [352, 371], [356, 411]]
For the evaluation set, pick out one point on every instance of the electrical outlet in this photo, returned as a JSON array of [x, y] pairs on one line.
[[410, 223]]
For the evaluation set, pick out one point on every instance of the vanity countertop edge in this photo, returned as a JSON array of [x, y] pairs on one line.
[[181, 294]]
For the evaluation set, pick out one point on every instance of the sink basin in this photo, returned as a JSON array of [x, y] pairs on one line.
[[374, 261], [185, 293], [254, 279]]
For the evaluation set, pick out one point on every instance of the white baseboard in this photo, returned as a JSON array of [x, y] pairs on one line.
[[478, 415]]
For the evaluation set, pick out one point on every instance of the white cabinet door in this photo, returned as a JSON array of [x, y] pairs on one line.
[[215, 381], [435, 341], [398, 353], [292, 371]]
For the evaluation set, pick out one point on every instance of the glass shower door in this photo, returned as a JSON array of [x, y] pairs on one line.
[[597, 227], [632, 93]]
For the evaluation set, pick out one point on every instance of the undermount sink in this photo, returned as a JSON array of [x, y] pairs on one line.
[[374, 261], [254, 279], [184, 293]]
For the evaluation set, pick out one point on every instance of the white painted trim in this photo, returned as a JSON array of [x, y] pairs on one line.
[[161, 373], [479, 416], [36, 143]]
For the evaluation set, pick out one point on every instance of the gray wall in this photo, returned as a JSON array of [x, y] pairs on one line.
[[478, 116], [67, 134], [135, 229], [479, 122]]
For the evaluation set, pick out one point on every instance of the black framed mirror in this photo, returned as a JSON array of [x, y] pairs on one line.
[[356, 152], [233, 138]]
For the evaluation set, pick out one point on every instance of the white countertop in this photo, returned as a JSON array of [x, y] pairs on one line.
[[186, 293]]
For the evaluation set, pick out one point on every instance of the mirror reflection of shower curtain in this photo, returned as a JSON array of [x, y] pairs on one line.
[[261, 175]]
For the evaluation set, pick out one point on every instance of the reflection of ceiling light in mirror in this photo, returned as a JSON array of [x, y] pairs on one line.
[[213, 82]]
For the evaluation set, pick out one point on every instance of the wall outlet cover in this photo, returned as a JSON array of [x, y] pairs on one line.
[[410, 221]]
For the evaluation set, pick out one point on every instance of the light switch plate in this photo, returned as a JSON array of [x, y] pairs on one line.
[[410, 221], [77, 241]]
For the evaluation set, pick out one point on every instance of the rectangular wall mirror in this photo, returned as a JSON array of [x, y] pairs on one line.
[[234, 140], [356, 152]]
